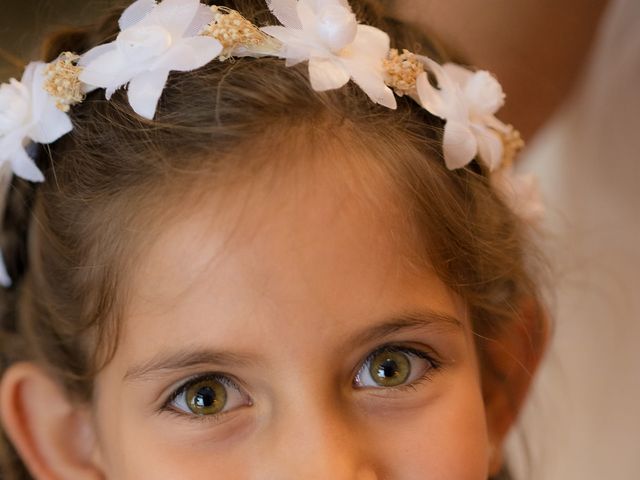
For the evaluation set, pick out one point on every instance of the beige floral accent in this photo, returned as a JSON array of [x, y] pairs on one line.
[[513, 143], [402, 71], [232, 30], [62, 81]]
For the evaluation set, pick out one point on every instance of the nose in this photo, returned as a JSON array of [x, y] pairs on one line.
[[324, 443]]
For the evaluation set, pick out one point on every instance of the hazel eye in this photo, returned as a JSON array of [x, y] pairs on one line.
[[208, 396], [392, 367]]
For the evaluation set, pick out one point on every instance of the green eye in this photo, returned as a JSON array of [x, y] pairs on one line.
[[394, 366], [207, 396], [389, 368], [210, 395]]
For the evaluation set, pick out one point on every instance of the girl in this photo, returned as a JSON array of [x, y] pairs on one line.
[[264, 245]]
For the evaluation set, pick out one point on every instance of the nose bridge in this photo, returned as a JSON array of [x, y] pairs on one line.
[[315, 438]]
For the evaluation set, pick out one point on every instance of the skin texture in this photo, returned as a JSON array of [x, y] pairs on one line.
[[290, 273], [302, 274]]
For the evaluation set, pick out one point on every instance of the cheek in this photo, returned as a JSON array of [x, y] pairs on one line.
[[445, 441], [441, 438], [137, 448]]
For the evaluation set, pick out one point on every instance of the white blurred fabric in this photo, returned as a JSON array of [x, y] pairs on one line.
[[583, 420]]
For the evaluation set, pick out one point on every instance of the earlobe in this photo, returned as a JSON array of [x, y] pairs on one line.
[[511, 359], [54, 437]]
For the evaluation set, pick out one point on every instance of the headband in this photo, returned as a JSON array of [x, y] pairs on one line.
[[183, 35]]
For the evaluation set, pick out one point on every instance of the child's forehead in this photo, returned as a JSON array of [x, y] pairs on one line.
[[304, 243], [326, 200], [308, 212]]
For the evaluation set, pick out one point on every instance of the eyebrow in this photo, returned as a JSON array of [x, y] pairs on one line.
[[183, 359], [407, 321]]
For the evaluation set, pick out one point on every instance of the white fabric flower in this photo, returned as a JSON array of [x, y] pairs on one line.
[[327, 34], [155, 39], [5, 279], [468, 102], [28, 114], [5, 182]]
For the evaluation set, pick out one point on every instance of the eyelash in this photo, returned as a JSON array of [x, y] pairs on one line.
[[224, 379], [434, 366]]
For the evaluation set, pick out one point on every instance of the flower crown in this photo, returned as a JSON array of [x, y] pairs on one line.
[[182, 35]]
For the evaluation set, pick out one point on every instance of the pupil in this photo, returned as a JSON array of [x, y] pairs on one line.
[[205, 397], [388, 368]]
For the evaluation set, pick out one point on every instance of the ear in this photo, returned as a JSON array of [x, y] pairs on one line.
[[511, 357], [53, 436]]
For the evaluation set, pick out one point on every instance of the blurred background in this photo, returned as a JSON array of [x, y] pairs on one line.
[[24, 23], [571, 71]]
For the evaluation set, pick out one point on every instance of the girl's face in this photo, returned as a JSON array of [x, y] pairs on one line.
[[277, 333]]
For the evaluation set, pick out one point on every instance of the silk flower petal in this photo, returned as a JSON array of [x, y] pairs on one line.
[[371, 43], [308, 18], [318, 4], [286, 12], [175, 15], [5, 279], [369, 78], [189, 54], [490, 146], [430, 97], [48, 123], [203, 16], [38, 97], [52, 124], [5, 182], [135, 13], [110, 70], [145, 91], [12, 141], [294, 44], [325, 74], [95, 53], [459, 145], [457, 73], [484, 94], [24, 166]]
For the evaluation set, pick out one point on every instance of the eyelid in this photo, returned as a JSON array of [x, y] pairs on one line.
[[181, 387], [435, 365], [184, 385]]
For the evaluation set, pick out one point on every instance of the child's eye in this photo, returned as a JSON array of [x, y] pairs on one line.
[[394, 366], [210, 395], [213, 395]]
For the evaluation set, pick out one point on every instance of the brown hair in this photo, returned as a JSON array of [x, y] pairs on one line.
[[68, 241]]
